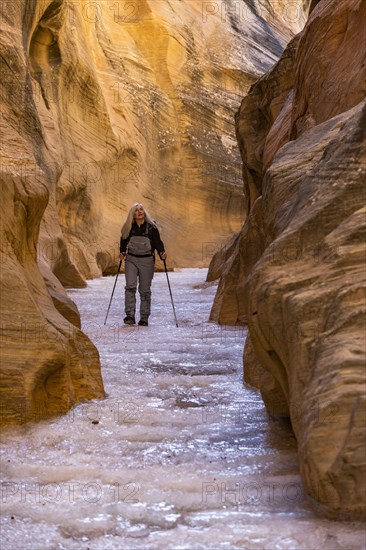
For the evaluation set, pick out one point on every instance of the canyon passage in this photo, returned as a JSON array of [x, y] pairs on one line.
[[240, 125]]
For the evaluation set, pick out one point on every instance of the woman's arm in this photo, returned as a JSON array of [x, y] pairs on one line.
[[158, 243], [123, 245]]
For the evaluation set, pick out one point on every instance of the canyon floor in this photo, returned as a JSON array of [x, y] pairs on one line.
[[180, 455]]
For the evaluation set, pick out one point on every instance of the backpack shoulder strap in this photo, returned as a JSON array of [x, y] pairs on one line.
[[148, 229]]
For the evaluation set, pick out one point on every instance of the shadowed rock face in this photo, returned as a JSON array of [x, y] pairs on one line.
[[302, 291], [47, 363]]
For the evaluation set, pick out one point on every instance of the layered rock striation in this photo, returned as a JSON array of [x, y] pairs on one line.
[[297, 275], [135, 100]]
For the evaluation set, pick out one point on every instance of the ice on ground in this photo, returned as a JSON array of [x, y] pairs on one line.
[[180, 455]]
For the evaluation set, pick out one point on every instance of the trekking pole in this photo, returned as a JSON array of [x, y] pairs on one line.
[[171, 296], [115, 282]]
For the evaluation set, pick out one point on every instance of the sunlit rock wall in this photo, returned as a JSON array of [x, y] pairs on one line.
[[136, 103], [300, 259]]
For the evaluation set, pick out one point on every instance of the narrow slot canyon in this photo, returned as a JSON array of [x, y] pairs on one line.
[[207, 159]]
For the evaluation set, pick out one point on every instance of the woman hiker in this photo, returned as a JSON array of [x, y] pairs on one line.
[[139, 239]]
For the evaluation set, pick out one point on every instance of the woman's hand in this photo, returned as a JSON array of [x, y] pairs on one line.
[[122, 255], [162, 255]]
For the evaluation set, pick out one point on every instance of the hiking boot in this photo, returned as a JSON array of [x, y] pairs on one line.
[[128, 320], [143, 323]]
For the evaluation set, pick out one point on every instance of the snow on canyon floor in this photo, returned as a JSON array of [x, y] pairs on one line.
[[180, 455]]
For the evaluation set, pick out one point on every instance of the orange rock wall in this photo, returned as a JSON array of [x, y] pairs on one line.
[[299, 263]]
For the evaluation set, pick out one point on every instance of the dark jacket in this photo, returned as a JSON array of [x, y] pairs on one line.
[[140, 231]]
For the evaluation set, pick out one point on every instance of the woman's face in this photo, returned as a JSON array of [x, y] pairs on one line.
[[139, 214]]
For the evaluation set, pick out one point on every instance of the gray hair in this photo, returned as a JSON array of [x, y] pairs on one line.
[[126, 228]]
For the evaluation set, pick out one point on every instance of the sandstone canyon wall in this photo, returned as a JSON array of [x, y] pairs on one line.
[[296, 271], [105, 103], [47, 363], [136, 102]]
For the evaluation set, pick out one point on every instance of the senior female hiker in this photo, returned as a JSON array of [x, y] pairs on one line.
[[139, 239]]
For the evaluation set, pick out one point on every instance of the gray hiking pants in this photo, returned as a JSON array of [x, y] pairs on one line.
[[143, 269]]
